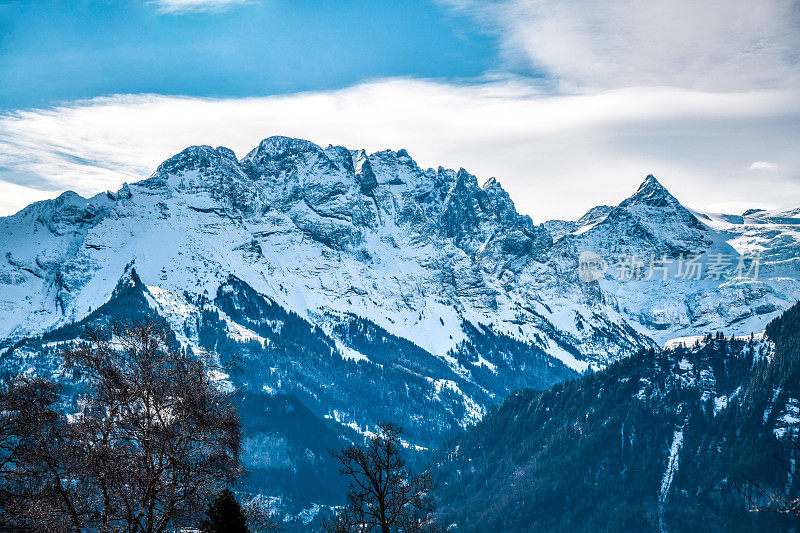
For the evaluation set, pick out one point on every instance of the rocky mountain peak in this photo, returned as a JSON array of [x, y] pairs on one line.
[[194, 158], [279, 156], [651, 193], [365, 176], [650, 196], [278, 146], [227, 153], [650, 223]]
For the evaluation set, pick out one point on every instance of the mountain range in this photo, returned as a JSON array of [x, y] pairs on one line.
[[356, 288]]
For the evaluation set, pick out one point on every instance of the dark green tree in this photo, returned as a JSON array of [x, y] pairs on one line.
[[225, 515]]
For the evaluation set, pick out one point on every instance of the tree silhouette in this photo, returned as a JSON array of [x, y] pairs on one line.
[[145, 440], [225, 515], [383, 496]]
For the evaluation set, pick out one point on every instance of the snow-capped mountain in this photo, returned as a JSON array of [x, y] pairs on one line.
[[677, 272], [649, 223], [421, 253], [320, 232], [371, 289]]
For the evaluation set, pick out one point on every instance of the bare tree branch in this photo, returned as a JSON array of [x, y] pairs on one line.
[[383, 496], [149, 439]]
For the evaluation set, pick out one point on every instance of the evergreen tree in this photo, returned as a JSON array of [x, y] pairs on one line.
[[225, 515]]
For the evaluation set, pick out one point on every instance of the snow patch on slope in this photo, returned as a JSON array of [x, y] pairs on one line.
[[669, 473]]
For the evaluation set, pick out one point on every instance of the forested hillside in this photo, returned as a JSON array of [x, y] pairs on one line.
[[669, 441]]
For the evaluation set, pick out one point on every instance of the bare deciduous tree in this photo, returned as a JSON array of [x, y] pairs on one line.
[[27, 417], [763, 500], [760, 499], [383, 496], [147, 442], [259, 519]]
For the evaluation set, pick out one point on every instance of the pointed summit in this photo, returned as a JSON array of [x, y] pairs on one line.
[[651, 193], [651, 181], [653, 206]]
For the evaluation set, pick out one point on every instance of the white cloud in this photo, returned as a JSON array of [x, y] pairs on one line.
[[557, 155], [13, 197], [188, 6], [762, 165], [701, 44]]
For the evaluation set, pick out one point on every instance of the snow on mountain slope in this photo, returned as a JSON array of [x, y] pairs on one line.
[[420, 253], [773, 234], [649, 223], [652, 244], [366, 288]]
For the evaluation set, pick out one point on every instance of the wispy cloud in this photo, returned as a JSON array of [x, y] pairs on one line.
[[701, 44], [557, 155], [190, 6], [763, 165]]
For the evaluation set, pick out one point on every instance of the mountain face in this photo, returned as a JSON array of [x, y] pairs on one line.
[[650, 223], [662, 441], [679, 273], [320, 232], [367, 289]]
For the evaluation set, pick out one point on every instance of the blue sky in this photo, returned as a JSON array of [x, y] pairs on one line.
[[59, 51], [569, 103]]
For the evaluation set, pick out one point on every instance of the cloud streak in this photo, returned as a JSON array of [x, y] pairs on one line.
[[176, 7], [716, 45], [557, 155]]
